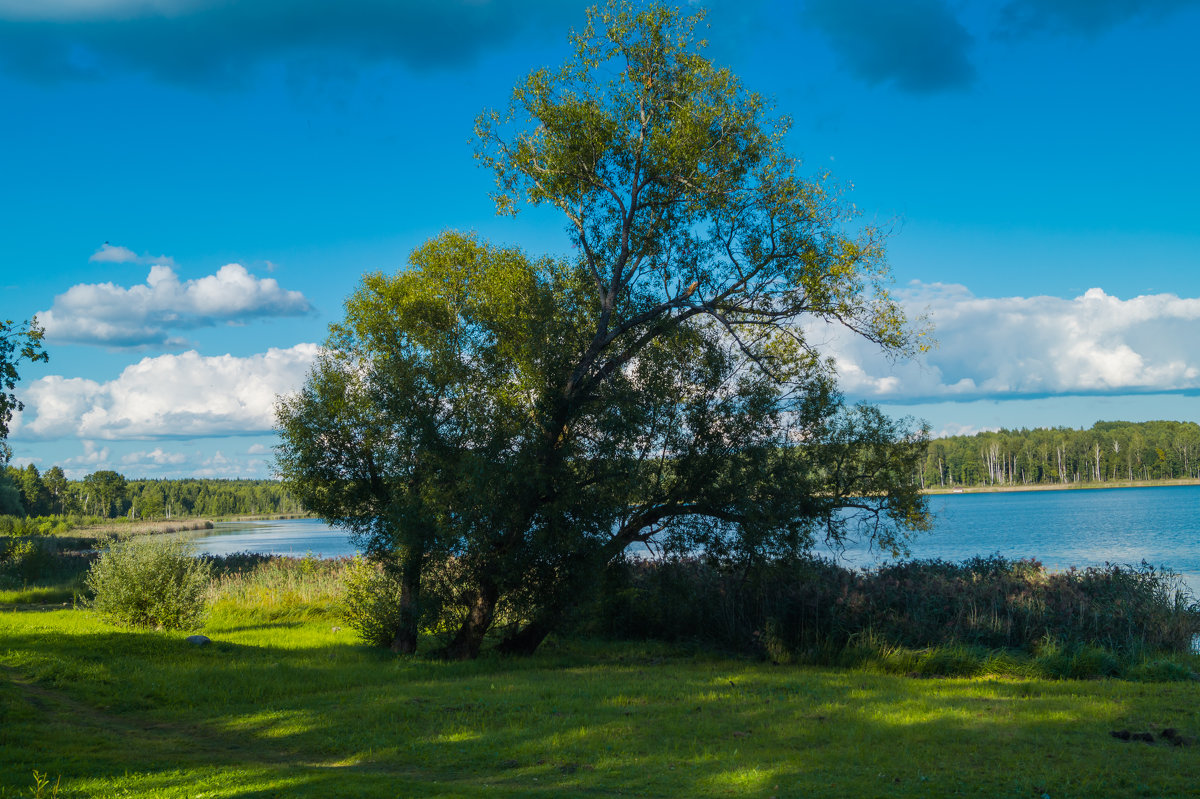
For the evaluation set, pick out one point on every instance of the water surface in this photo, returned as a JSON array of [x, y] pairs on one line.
[[1059, 528]]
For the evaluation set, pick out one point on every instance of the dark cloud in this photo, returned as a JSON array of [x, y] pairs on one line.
[[223, 41], [919, 45], [1084, 16]]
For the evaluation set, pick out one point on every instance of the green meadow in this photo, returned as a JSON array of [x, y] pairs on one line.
[[284, 702]]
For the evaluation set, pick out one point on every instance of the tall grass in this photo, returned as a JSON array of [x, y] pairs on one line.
[[263, 581], [814, 609]]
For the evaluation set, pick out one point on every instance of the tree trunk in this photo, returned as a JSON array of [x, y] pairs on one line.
[[469, 638], [526, 640], [405, 642]]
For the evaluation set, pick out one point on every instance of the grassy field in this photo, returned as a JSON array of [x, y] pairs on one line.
[[283, 703]]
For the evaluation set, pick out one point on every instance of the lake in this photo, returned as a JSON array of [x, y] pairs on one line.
[[296, 537], [1059, 528]]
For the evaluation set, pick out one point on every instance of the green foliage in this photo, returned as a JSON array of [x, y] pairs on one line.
[[1108, 452], [149, 582], [10, 496], [105, 493], [18, 342], [813, 610], [24, 560], [371, 603]]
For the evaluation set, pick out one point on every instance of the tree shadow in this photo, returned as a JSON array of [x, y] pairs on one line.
[[159, 717]]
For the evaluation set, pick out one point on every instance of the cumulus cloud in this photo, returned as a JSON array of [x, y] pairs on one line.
[[206, 42], [169, 396], [157, 457], [1088, 17], [919, 45], [1011, 347], [111, 254], [92, 459], [111, 315]]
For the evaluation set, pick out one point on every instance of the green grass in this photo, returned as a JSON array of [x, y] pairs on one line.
[[281, 704]]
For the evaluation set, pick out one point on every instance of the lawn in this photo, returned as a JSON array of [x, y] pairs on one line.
[[284, 704]]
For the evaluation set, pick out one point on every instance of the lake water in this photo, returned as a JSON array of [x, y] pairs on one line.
[[295, 537], [1059, 528], [1066, 528]]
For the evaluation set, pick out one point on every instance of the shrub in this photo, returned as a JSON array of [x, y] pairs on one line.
[[371, 602], [150, 582], [23, 560]]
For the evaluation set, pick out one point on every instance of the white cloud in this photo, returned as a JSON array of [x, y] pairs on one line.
[[258, 449], [156, 456], [169, 396], [115, 254], [108, 314], [92, 459], [1031, 346]]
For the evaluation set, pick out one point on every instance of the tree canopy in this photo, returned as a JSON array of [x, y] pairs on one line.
[[495, 428], [18, 342]]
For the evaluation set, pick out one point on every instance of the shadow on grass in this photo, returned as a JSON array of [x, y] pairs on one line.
[[319, 716]]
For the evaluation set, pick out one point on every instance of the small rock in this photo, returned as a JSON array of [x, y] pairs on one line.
[[335, 629], [1143, 736], [198, 640], [1121, 735], [1169, 734]]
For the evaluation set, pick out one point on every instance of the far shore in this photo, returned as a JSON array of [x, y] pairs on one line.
[[998, 489], [177, 525]]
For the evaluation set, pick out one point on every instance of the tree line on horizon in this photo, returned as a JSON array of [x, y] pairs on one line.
[[107, 494], [1106, 452]]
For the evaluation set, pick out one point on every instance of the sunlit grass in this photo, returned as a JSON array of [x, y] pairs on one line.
[[282, 704]]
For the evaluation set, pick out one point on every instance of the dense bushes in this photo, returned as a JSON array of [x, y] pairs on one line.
[[813, 608], [150, 581], [23, 560], [43, 525]]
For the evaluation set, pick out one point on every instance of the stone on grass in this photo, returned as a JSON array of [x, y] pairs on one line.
[[199, 640]]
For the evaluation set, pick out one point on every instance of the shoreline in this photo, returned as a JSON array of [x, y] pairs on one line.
[[1008, 489]]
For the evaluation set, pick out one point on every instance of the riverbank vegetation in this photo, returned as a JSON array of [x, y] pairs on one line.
[[285, 701]]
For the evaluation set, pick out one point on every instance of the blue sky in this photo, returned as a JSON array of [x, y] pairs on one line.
[[192, 187]]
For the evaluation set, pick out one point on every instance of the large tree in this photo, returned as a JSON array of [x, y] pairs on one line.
[[18, 342], [528, 421]]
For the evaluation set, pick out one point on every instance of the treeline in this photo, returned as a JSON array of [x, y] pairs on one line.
[[1109, 451], [107, 494]]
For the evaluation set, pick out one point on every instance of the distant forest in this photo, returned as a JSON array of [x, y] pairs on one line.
[[1109, 451], [107, 494]]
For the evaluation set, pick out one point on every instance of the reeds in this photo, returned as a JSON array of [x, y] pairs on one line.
[[814, 609]]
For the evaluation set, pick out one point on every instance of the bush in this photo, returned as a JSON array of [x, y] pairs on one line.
[[150, 582], [371, 603], [23, 560]]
